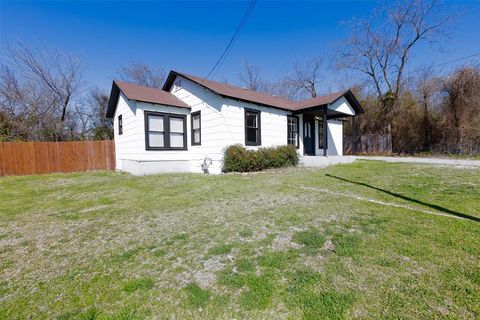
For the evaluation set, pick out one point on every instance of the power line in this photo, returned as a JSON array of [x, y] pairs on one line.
[[232, 40], [444, 63]]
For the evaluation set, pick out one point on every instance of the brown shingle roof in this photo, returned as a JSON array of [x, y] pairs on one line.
[[152, 95], [143, 94], [261, 98], [237, 92], [319, 101]]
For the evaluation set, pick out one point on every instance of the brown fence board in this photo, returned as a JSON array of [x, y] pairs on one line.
[[24, 158]]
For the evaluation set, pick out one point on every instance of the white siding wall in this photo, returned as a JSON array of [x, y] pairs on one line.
[[300, 133], [222, 124], [126, 145], [342, 105], [131, 154], [335, 138]]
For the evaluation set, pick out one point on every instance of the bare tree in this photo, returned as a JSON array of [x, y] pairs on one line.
[[461, 111], [143, 74], [427, 87], [102, 127], [54, 71], [250, 77], [380, 47], [303, 82], [37, 89]]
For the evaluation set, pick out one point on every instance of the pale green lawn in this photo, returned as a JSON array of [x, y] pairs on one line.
[[286, 244]]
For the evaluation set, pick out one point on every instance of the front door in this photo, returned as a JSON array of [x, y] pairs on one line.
[[308, 136]]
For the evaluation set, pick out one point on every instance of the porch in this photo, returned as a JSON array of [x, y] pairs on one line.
[[320, 128]]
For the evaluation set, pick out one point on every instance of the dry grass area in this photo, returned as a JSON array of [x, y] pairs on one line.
[[364, 240]]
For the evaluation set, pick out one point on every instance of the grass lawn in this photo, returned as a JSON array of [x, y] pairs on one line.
[[364, 240]]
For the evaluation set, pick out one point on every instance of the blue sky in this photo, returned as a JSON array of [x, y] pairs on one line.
[[190, 36]]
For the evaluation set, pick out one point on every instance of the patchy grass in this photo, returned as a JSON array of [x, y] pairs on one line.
[[312, 239], [220, 249], [138, 284], [351, 241], [196, 296], [259, 293]]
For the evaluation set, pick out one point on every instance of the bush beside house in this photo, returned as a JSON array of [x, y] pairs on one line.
[[238, 159]]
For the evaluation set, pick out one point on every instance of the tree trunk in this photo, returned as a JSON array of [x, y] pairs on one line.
[[426, 127], [388, 132]]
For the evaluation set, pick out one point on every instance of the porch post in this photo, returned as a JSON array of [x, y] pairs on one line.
[[325, 131], [354, 137]]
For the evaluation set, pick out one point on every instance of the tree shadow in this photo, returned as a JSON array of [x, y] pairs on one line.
[[397, 195]]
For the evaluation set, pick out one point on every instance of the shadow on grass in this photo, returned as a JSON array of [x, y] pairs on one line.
[[397, 195]]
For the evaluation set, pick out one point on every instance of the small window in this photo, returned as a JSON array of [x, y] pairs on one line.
[[252, 128], [165, 131], [292, 133], [321, 134], [120, 125], [196, 129]]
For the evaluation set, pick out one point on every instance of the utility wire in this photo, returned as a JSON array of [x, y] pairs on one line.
[[444, 63], [227, 50]]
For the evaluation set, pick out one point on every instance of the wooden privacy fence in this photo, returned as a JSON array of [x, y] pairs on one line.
[[367, 144], [23, 158]]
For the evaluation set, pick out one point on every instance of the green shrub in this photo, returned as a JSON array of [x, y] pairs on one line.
[[238, 159]]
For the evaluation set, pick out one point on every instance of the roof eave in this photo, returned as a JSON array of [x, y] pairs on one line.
[[112, 103], [173, 74], [170, 79], [115, 94], [348, 94], [161, 104], [354, 102]]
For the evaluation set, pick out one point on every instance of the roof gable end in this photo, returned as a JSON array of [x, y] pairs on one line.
[[142, 94]]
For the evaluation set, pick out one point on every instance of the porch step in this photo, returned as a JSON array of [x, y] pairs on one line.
[[321, 161]]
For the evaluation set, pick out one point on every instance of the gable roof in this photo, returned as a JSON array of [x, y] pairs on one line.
[[143, 94], [329, 99], [248, 95], [234, 92]]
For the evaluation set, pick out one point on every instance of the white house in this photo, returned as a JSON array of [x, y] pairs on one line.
[[186, 126]]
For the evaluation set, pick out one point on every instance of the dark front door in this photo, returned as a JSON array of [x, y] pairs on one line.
[[308, 136]]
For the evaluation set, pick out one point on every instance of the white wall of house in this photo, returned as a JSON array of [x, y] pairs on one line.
[[334, 136], [126, 144], [131, 154], [300, 134], [222, 125], [342, 105]]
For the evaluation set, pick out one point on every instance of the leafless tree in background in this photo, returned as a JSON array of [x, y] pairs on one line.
[[250, 77], [53, 71], [101, 126], [304, 80], [143, 74], [38, 88], [380, 47], [461, 111], [428, 88]]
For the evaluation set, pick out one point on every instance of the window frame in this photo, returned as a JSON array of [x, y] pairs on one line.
[[259, 127], [166, 130], [120, 125], [192, 130], [297, 146], [321, 134]]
